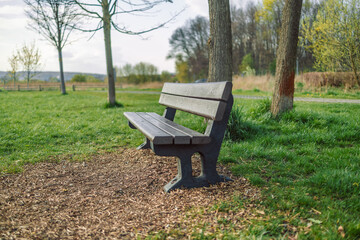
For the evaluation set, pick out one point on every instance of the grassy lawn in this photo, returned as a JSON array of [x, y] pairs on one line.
[[307, 163], [316, 93]]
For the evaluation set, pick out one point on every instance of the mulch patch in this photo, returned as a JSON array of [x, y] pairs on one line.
[[114, 195]]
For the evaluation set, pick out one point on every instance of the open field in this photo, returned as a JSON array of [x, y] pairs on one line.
[[306, 164], [307, 85]]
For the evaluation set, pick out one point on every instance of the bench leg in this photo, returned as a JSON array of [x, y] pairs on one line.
[[184, 177], [144, 145], [208, 170]]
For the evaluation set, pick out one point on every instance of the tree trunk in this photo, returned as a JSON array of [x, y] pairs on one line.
[[283, 95], [62, 78], [28, 79], [220, 41], [354, 68], [109, 63]]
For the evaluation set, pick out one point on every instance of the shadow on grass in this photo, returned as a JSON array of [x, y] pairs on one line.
[[115, 105]]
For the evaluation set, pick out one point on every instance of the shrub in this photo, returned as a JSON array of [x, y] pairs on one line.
[[262, 110], [249, 71], [331, 79], [90, 78], [247, 63], [238, 128], [299, 86], [84, 78], [78, 78]]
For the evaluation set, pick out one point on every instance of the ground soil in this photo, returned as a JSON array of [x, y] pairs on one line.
[[115, 195]]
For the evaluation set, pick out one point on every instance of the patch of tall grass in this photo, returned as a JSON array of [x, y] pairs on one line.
[[238, 127]]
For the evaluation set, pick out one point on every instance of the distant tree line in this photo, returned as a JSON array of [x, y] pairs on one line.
[[78, 78], [141, 73], [255, 33]]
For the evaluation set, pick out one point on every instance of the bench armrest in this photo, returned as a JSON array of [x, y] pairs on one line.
[[131, 125]]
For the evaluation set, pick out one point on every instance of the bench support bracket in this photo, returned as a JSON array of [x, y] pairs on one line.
[[185, 179], [144, 145]]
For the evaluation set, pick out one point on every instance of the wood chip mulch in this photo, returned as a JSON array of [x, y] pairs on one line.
[[114, 195]]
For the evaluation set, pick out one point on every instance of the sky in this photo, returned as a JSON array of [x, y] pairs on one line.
[[87, 54]]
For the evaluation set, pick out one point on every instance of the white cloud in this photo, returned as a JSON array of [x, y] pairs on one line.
[[199, 7], [11, 11], [10, 24]]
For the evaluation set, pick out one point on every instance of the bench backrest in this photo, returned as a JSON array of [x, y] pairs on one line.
[[204, 99]]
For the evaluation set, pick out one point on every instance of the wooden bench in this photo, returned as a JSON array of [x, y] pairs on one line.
[[167, 138]]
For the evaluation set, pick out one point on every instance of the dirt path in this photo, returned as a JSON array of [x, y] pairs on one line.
[[114, 195]]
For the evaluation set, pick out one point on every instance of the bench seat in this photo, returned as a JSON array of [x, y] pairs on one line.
[[162, 131]]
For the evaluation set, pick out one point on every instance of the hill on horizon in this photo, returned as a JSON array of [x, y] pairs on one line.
[[52, 75]]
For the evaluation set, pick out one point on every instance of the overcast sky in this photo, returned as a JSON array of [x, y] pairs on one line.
[[84, 55]]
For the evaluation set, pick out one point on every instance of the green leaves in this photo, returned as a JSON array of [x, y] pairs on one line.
[[334, 36]]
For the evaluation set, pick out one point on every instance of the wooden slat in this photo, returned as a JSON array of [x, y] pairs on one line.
[[156, 135], [214, 90], [207, 108], [196, 137], [179, 136]]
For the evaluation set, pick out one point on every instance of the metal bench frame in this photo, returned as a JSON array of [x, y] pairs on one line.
[[209, 150]]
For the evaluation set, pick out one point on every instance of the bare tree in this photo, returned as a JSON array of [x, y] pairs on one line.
[[14, 67], [105, 12], [29, 58], [220, 41], [283, 95], [54, 20]]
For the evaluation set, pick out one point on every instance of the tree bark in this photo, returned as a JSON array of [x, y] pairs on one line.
[[354, 68], [220, 41], [109, 62], [62, 78], [27, 79], [283, 95]]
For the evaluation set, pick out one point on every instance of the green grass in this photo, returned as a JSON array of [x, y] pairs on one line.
[[308, 159], [330, 92], [37, 125], [139, 89], [335, 93], [254, 92], [307, 162]]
